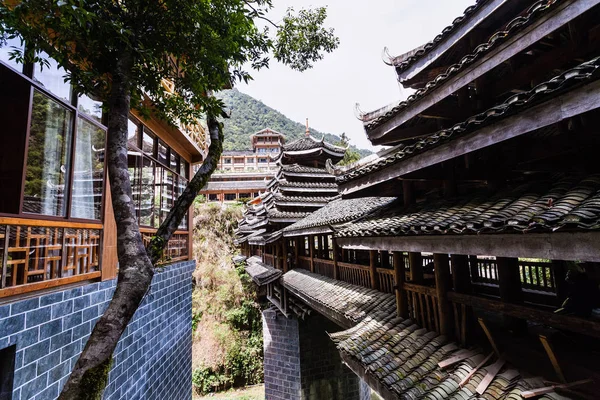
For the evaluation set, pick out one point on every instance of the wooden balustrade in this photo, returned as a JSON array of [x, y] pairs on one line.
[[355, 274], [38, 254], [537, 275], [175, 250], [269, 259], [386, 280], [423, 306], [304, 262], [324, 267]]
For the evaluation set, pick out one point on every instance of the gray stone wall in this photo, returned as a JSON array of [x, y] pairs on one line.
[[281, 356], [302, 363], [152, 359]]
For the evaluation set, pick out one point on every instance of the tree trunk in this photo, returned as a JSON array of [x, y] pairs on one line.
[[90, 375]]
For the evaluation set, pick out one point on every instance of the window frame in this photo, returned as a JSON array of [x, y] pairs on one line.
[[27, 74]]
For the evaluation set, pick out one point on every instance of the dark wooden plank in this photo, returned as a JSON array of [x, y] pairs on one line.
[[539, 29], [583, 246], [565, 322], [399, 278], [572, 103], [442, 286]]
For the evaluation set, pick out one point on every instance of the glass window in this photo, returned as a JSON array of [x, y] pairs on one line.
[[88, 174], [250, 160], [133, 133], [185, 169], [148, 143], [174, 161], [47, 166], [147, 193], [162, 153], [262, 160], [167, 194], [91, 107], [134, 164], [52, 78], [227, 160], [181, 185], [9, 46]]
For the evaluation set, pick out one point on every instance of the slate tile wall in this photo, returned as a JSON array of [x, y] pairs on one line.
[[302, 363], [151, 361], [281, 356]]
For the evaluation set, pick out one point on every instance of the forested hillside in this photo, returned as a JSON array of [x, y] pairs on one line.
[[249, 115]]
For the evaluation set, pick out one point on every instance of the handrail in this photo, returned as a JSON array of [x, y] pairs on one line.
[[47, 223], [355, 266], [411, 287]]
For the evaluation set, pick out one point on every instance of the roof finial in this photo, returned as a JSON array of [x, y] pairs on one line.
[[307, 130]]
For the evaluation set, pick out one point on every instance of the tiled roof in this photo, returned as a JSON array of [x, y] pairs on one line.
[[564, 203], [309, 143], [584, 72], [347, 302], [276, 214], [261, 273], [404, 62], [301, 170], [376, 118], [339, 211], [308, 185], [280, 198], [257, 185], [404, 359]]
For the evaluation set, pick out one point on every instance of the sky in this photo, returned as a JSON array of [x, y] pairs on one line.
[[354, 72]]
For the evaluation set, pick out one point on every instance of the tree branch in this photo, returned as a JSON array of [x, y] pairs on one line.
[[260, 16], [183, 203]]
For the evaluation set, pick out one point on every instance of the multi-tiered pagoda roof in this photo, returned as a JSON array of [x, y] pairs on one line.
[[301, 186]]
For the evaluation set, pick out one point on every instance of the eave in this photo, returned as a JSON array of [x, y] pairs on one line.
[[387, 132]]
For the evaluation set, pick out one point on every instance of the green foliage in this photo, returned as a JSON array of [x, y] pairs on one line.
[[248, 115], [224, 305], [351, 154], [202, 46]]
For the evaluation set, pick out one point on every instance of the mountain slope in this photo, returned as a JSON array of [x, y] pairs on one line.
[[249, 115]]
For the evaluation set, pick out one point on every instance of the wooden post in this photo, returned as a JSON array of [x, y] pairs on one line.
[[296, 251], [373, 266], [399, 277], [415, 261], [559, 270], [461, 279], [284, 251], [336, 268], [509, 281], [326, 247], [474, 268], [385, 259], [442, 286], [311, 248], [276, 255]]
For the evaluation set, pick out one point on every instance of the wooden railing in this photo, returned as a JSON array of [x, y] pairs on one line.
[[323, 267], [304, 262], [423, 306], [537, 275], [38, 254], [487, 270], [269, 259], [176, 249], [386, 280], [355, 274]]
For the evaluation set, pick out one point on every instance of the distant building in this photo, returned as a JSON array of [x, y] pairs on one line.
[[244, 173]]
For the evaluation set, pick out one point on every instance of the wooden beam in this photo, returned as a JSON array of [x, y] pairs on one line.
[[415, 262], [509, 281], [583, 246], [451, 40], [311, 248], [559, 270], [570, 104], [537, 30], [297, 250], [336, 268], [553, 359], [489, 336], [442, 286], [408, 194], [284, 258], [461, 279], [399, 278], [566, 322], [373, 269]]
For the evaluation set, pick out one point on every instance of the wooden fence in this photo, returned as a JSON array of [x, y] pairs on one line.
[[386, 280], [355, 274]]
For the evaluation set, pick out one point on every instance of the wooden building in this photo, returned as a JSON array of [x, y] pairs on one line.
[[243, 174], [480, 270], [56, 220]]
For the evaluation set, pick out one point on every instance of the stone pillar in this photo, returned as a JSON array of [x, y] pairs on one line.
[[302, 363]]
